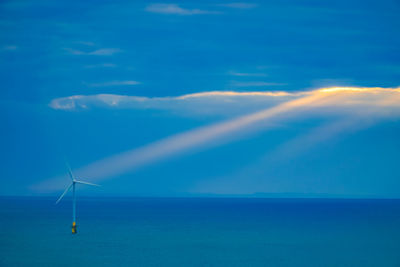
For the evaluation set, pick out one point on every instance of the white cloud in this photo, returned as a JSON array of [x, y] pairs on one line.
[[254, 84], [10, 47], [105, 51], [355, 102], [98, 52], [211, 103], [239, 5], [338, 99], [176, 9], [74, 51], [237, 94], [113, 83], [247, 74], [104, 65], [85, 43]]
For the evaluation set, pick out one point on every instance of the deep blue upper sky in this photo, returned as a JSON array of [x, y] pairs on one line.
[[56, 49]]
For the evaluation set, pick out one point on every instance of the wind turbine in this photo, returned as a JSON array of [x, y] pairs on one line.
[[72, 185]]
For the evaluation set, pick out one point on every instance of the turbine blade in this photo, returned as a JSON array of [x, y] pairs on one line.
[[63, 194], [70, 171], [82, 182]]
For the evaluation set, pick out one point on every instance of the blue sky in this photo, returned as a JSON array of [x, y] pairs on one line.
[[190, 98]]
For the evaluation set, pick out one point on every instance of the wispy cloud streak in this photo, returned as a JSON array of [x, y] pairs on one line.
[[211, 134], [170, 146], [247, 74], [254, 84], [176, 10], [113, 83], [10, 47], [225, 102], [98, 52], [239, 5], [104, 65]]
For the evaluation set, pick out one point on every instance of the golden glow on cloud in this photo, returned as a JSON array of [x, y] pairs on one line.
[[233, 103], [358, 89], [285, 93], [113, 100], [383, 102], [354, 97]]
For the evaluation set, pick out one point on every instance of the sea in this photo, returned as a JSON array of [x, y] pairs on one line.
[[200, 232]]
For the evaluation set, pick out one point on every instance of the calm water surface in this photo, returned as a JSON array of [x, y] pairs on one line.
[[200, 232]]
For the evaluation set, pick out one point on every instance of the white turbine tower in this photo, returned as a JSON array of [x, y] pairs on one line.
[[73, 183]]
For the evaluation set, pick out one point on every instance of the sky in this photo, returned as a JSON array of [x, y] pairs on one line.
[[210, 98]]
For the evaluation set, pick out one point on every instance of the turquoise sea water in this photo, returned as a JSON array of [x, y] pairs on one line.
[[200, 232]]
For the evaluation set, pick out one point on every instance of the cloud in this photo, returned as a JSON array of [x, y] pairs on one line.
[[176, 10], [105, 52], [353, 101], [98, 52], [254, 84], [104, 65], [239, 5], [244, 74], [85, 43], [173, 145], [10, 47], [340, 100], [113, 83], [212, 103], [74, 51], [236, 94]]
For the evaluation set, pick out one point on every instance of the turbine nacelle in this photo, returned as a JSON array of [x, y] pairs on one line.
[[73, 182], [82, 182]]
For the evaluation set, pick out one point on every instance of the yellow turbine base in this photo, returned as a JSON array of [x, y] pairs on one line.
[[74, 228]]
